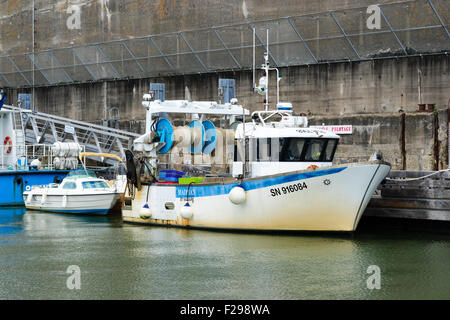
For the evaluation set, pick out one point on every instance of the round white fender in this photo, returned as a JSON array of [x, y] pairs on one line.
[[44, 196], [237, 195], [145, 212], [64, 201], [187, 211], [29, 197], [36, 163]]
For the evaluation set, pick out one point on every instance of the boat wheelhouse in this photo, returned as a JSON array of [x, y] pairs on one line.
[[282, 146]]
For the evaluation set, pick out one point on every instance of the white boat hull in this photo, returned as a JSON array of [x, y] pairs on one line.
[[328, 199], [99, 203]]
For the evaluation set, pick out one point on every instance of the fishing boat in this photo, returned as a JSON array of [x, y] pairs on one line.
[[273, 173], [23, 166], [80, 192]]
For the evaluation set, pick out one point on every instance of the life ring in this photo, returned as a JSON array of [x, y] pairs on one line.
[[313, 166], [8, 142]]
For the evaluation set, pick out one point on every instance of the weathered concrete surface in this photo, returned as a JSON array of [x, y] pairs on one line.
[[412, 144], [443, 136], [369, 95], [371, 133], [103, 20], [372, 87], [420, 136]]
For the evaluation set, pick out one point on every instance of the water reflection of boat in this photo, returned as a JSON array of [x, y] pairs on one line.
[[11, 220], [81, 192]]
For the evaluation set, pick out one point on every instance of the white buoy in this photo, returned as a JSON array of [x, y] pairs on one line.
[[186, 211], [36, 163], [237, 195], [145, 212], [29, 197]]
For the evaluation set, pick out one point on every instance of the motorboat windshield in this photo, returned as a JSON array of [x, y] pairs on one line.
[[81, 173]]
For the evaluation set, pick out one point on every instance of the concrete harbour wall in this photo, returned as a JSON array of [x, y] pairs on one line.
[[371, 87], [409, 141], [104, 20], [372, 96]]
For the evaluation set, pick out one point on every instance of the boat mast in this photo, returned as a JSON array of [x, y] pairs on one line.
[[266, 69], [254, 59]]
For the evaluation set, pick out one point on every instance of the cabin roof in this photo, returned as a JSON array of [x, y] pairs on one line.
[[259, 131]]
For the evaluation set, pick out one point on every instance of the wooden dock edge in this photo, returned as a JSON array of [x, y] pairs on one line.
[[417, 214], [402, 196]]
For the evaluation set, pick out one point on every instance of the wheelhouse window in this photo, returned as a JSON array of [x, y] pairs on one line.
[[330, 149], [257, 150], [314, 149], [307, 149], [287, 150], [291, 149]]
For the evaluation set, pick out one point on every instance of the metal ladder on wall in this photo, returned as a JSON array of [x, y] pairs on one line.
[[43, 128]]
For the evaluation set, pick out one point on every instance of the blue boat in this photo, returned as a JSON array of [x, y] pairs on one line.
[[13, 183], [20, 169]]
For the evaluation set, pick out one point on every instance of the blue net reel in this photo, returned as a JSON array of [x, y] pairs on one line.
[[211, 137], [197, 146], [205, 133], [164, 129]]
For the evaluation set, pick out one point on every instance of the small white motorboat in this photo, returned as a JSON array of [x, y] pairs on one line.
[[81, 192]]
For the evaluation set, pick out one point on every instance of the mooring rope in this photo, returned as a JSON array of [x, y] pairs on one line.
[[419, 178]]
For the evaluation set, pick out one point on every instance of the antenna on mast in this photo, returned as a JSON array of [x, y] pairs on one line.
[[266, 69], [254, 58], [263, 87]]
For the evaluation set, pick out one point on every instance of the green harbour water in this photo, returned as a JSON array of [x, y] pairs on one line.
[[122, 261]]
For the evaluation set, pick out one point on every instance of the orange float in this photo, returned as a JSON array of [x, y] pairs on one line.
[[8, 142]]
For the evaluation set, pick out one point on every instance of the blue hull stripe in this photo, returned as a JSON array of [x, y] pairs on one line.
[[214, 190], [94, 212]]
